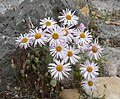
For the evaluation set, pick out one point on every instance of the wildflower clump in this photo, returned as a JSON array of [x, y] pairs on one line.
[[68, 43]]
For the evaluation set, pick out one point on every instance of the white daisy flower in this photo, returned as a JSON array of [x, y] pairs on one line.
[[68, 17], [59, 69], [95, 50], [68, 33], [58, 51], [83, 37], [89, 70], [48, 23], [55, 36], [38, 37], [24, 40], [72, 55], [89, 86]]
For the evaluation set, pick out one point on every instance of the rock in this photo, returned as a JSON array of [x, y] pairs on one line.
[[109, 32], [7, 46], [70, 94], [34, 9], [15, 21], [112, 67], [107, 87], [106, 6], [9, 5], [106, 29]]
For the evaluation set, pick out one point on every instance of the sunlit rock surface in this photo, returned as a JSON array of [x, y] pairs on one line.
[[107, 88]]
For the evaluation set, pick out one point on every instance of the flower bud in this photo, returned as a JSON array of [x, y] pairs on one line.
[[34, 68], [28, 62]]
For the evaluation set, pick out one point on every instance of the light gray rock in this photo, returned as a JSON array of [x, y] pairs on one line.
[[9, 5], [112, 66], [108, 31], [111, 32], [106, 6]]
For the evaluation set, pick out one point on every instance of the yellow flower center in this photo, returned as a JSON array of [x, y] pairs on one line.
[[37, 35], [59, 68], [70, 53], [89, 68], [68, 17], [66, 32], [55, 36], [90, 83], [94, 49], [58, 48], [24, 40], [82, 35], [48, 23]]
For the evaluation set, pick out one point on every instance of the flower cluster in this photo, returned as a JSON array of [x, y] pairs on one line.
[[89, 69], [67, 45]]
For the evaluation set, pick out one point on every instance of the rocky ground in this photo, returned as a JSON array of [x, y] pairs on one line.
[[15, 17], [109, 31]]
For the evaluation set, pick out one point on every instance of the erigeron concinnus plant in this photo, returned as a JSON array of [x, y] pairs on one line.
[[68, 45]]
